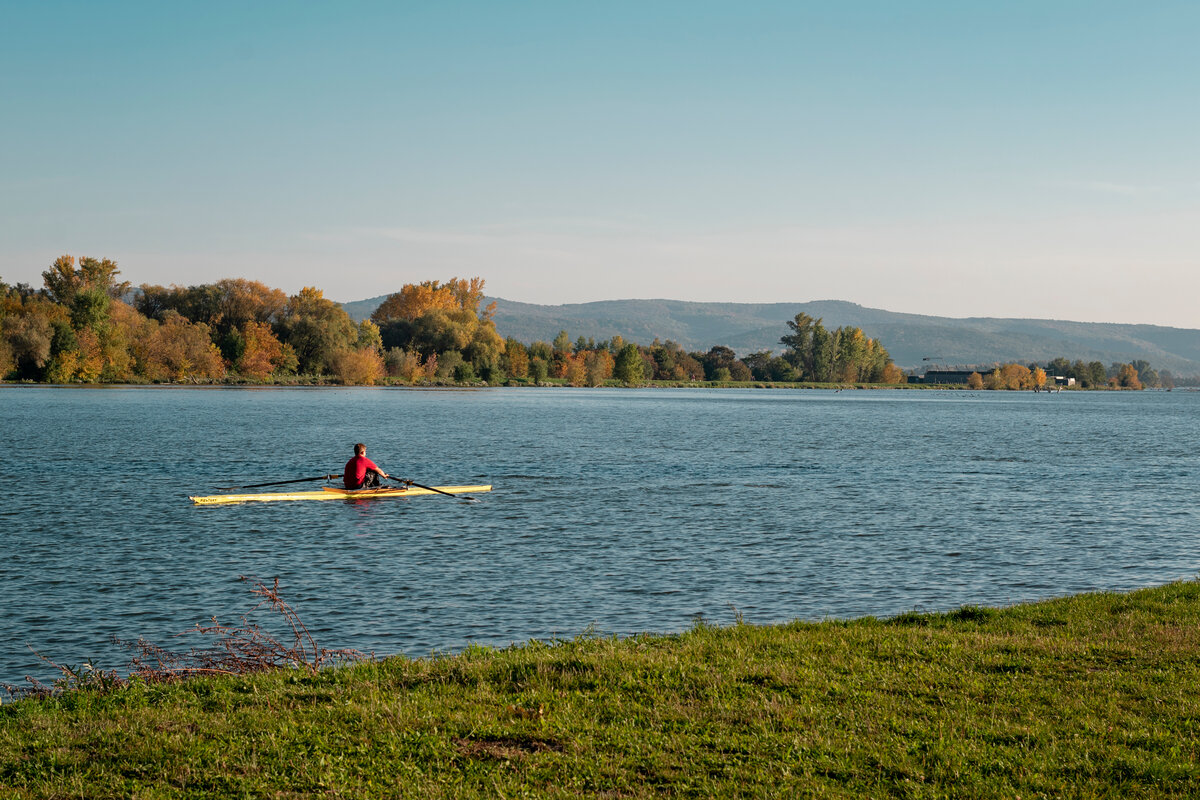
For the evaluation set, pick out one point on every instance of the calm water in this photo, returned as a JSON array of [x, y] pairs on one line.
[[616, 509]]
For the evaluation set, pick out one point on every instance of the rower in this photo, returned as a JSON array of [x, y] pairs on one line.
[[361, 472]]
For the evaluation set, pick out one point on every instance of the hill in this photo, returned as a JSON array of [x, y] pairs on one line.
[[914, 340]]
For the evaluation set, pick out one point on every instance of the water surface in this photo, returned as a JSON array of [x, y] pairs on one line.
[[616, 510]]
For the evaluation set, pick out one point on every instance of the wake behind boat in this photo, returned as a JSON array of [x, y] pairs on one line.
[[337, 493]]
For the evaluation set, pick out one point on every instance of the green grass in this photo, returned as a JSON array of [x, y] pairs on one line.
[[1090, 696]]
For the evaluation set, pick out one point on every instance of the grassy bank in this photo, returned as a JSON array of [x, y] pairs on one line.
[[1095, 695]]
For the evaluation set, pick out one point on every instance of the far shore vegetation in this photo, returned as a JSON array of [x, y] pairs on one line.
[[84, 326], [1095, 695]]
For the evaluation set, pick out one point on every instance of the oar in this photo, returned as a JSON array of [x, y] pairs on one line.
[[430, 488], [279, 483]]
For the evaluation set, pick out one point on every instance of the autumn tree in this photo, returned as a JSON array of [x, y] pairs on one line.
[[1009, 376], [29, 323], [403, 364], [178, 350], [575, 370], [1127, 378], [1146, 374], [262, 352], [64, 281], [435, 318], [516, 358], [360, 366], [225, 306], [415, 299]]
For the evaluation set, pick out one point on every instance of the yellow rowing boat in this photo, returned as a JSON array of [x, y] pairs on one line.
[[334, 493]]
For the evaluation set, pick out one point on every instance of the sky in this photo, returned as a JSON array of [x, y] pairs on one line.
[[1031, 159]]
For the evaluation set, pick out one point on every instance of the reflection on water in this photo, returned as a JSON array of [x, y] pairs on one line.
[[626, 510]]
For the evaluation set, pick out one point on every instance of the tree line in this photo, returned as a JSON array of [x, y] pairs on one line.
[[85, 325], [1093, 375]]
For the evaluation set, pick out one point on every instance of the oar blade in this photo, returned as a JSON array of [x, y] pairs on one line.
[[467, 497]]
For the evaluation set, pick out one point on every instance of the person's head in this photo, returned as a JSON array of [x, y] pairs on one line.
[[360, 449]]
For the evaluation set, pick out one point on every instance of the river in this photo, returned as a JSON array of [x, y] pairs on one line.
[[614, 510]]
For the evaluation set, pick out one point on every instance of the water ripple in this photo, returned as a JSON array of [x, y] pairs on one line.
[[614, 511]]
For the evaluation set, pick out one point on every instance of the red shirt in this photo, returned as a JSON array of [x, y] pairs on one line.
[[356, 470]]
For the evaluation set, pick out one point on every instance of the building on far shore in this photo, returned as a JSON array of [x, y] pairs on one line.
[[955, 376]]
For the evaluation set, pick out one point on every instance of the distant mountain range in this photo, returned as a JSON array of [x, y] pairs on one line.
[[914, 341]]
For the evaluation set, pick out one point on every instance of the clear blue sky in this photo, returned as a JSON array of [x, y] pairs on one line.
[[1032, 159]]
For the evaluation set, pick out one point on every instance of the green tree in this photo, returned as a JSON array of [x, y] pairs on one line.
[[628, 368], [539, 370], [368, 336], [716, 359], [562, 344], [799, 346], [824, 354], [316, 329]]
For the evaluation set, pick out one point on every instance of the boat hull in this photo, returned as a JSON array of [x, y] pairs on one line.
[[332, 493]]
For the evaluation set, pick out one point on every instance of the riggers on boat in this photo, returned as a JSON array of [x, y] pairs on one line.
[[336, 493]]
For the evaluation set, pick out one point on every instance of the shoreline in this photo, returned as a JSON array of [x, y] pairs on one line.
[[563, 385], [1090, 694]]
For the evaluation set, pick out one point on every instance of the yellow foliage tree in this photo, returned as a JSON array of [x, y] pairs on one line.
[[516, 358], [893, 374], [416, 299], [363, 366], [1010, 376]]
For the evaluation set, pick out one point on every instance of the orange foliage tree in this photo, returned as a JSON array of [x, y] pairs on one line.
[[574, 369], [178, 350], [262, 351], [1127, 378]]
